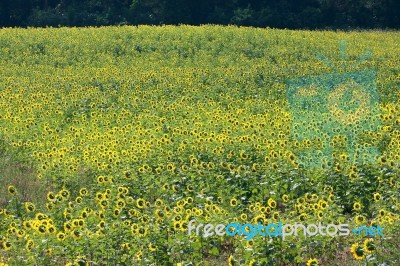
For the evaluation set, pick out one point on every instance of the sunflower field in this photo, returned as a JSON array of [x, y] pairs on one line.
[[113, 139]]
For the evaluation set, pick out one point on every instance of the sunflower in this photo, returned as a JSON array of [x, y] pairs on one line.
[[251, 262], [59, 198], [314, 197], [84, 214], [142, 231], [369, 245], [40, 216], [189, 200], [357, 206], [83, 192], [231, 261], [302, 217], [331, 197], [12, 190], [243, 155], [49, 206], [159, 203], [67, 216], [126, 246], [312, 262], [7, 245], [99, 196], [60, 236], [65, 193], [11, 230], [127, 175], [20, 233], [116, 212], [259, 219], [29, 206], [140, 203], [357, 251], [189, 188], [152, 247], [308, 197], [175, 188], [165, 187], [27, 225], [78, 200], [300, 200], [271, 203], [255, 167], [360, 219], [139, 255], [250, 244], [181, 203], [377, 197], [121, 203], [104, 203], [275, 215], [100, 179], [328, 189], [29, 245], [51, 229], [129, 200], [177, 226], [42, 229], [323, 204], [252, 208], [100, 214], [106, 196], [67, 226], [285, 198], [145, 219], [234, 202], [48, 252], [76, 233]]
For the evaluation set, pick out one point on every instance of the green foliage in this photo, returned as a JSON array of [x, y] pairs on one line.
[[281, 14]]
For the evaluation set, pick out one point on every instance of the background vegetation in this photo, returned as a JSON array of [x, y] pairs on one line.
[[292, 14]]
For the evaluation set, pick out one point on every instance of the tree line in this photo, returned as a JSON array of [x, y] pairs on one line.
[[291, 14]]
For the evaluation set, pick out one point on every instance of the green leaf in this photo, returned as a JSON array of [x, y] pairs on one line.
[[196, 245], [214, 251]]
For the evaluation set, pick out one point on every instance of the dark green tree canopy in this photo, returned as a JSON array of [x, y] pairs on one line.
[[292, 14]]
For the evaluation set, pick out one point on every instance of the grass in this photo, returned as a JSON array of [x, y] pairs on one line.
[[20, 173]]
